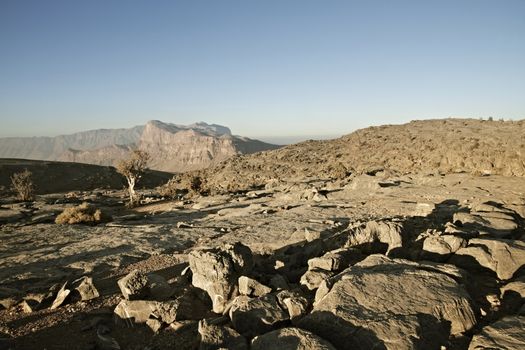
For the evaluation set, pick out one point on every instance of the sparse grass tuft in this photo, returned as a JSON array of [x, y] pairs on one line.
[[82, 214]]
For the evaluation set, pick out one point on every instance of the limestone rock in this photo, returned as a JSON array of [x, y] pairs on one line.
[[386, 232], [512, 294], [254, 316], [294, 302], [154, 324], [135, 311], [250, 287], [496, 224], [290, 339], [158, 288], [504, 257], [313, 278], [443, 245], [86, 289], [335, 260], [217, 270], [505, 334], [134, 286], [390, 303], [62, 294], [216, 336], [516, 287]]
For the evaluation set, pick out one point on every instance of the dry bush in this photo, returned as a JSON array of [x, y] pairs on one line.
[[182, 184], [171, 189], [82, 214], [22, 183]]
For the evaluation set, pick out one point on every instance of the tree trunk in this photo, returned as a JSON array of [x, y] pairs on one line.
[[132, 194]]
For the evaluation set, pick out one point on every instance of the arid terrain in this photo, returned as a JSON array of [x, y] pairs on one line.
[[394, 237]]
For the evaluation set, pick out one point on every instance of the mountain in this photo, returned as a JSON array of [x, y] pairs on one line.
[[172, 147], [440, 146]]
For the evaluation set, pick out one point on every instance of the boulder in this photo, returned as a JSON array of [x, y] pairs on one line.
[[250, 287], [134, 285], [254, 316], [390, 303], [217, 270], [290, 339], [377, 232], [442, 245], [335, 260], [502, 256], [505, 334], [217, 337], [313, 278], [294, 302], [492, 223]]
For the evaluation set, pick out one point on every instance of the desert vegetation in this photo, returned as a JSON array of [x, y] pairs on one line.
[[132, 169], [22, 184], [84, 213]]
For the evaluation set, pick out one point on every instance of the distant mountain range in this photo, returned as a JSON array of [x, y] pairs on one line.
[[173, 148]]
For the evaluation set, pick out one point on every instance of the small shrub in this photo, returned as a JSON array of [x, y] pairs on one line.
[[22, 184], [171, 189], [82, 214], [180, 185]]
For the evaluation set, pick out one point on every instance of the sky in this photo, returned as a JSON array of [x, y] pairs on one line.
[[267, 69]]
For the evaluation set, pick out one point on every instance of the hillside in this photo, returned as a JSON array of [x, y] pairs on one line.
[[425, 146], [53, 177], [172, 147]]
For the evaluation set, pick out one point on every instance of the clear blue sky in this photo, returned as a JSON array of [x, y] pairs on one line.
[[263, 68]]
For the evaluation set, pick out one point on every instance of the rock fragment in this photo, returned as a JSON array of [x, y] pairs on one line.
[[254, 316], [442, 246], [220, 337], [217, 271], [375, 233], [250, 287], [335, 260], [63, 293], [502, 256], [313, 278], [134, 286], [290, 339], [505, 334], [86, 289]]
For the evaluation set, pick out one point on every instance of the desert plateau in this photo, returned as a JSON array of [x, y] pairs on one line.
[[394, 237]]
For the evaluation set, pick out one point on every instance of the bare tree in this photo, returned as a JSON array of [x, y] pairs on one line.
[[133, 168], [23, 185]]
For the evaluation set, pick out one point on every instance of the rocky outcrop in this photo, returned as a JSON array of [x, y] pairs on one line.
[[217, 271], [173, 148], [394, 302], [502, 256], [290, 339], [505, 334]]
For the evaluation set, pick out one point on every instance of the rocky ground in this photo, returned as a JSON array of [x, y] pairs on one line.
[[380, 261], [393, 237], [426, 146]]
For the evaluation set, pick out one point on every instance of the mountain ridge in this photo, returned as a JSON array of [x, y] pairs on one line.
[[173, 147]]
